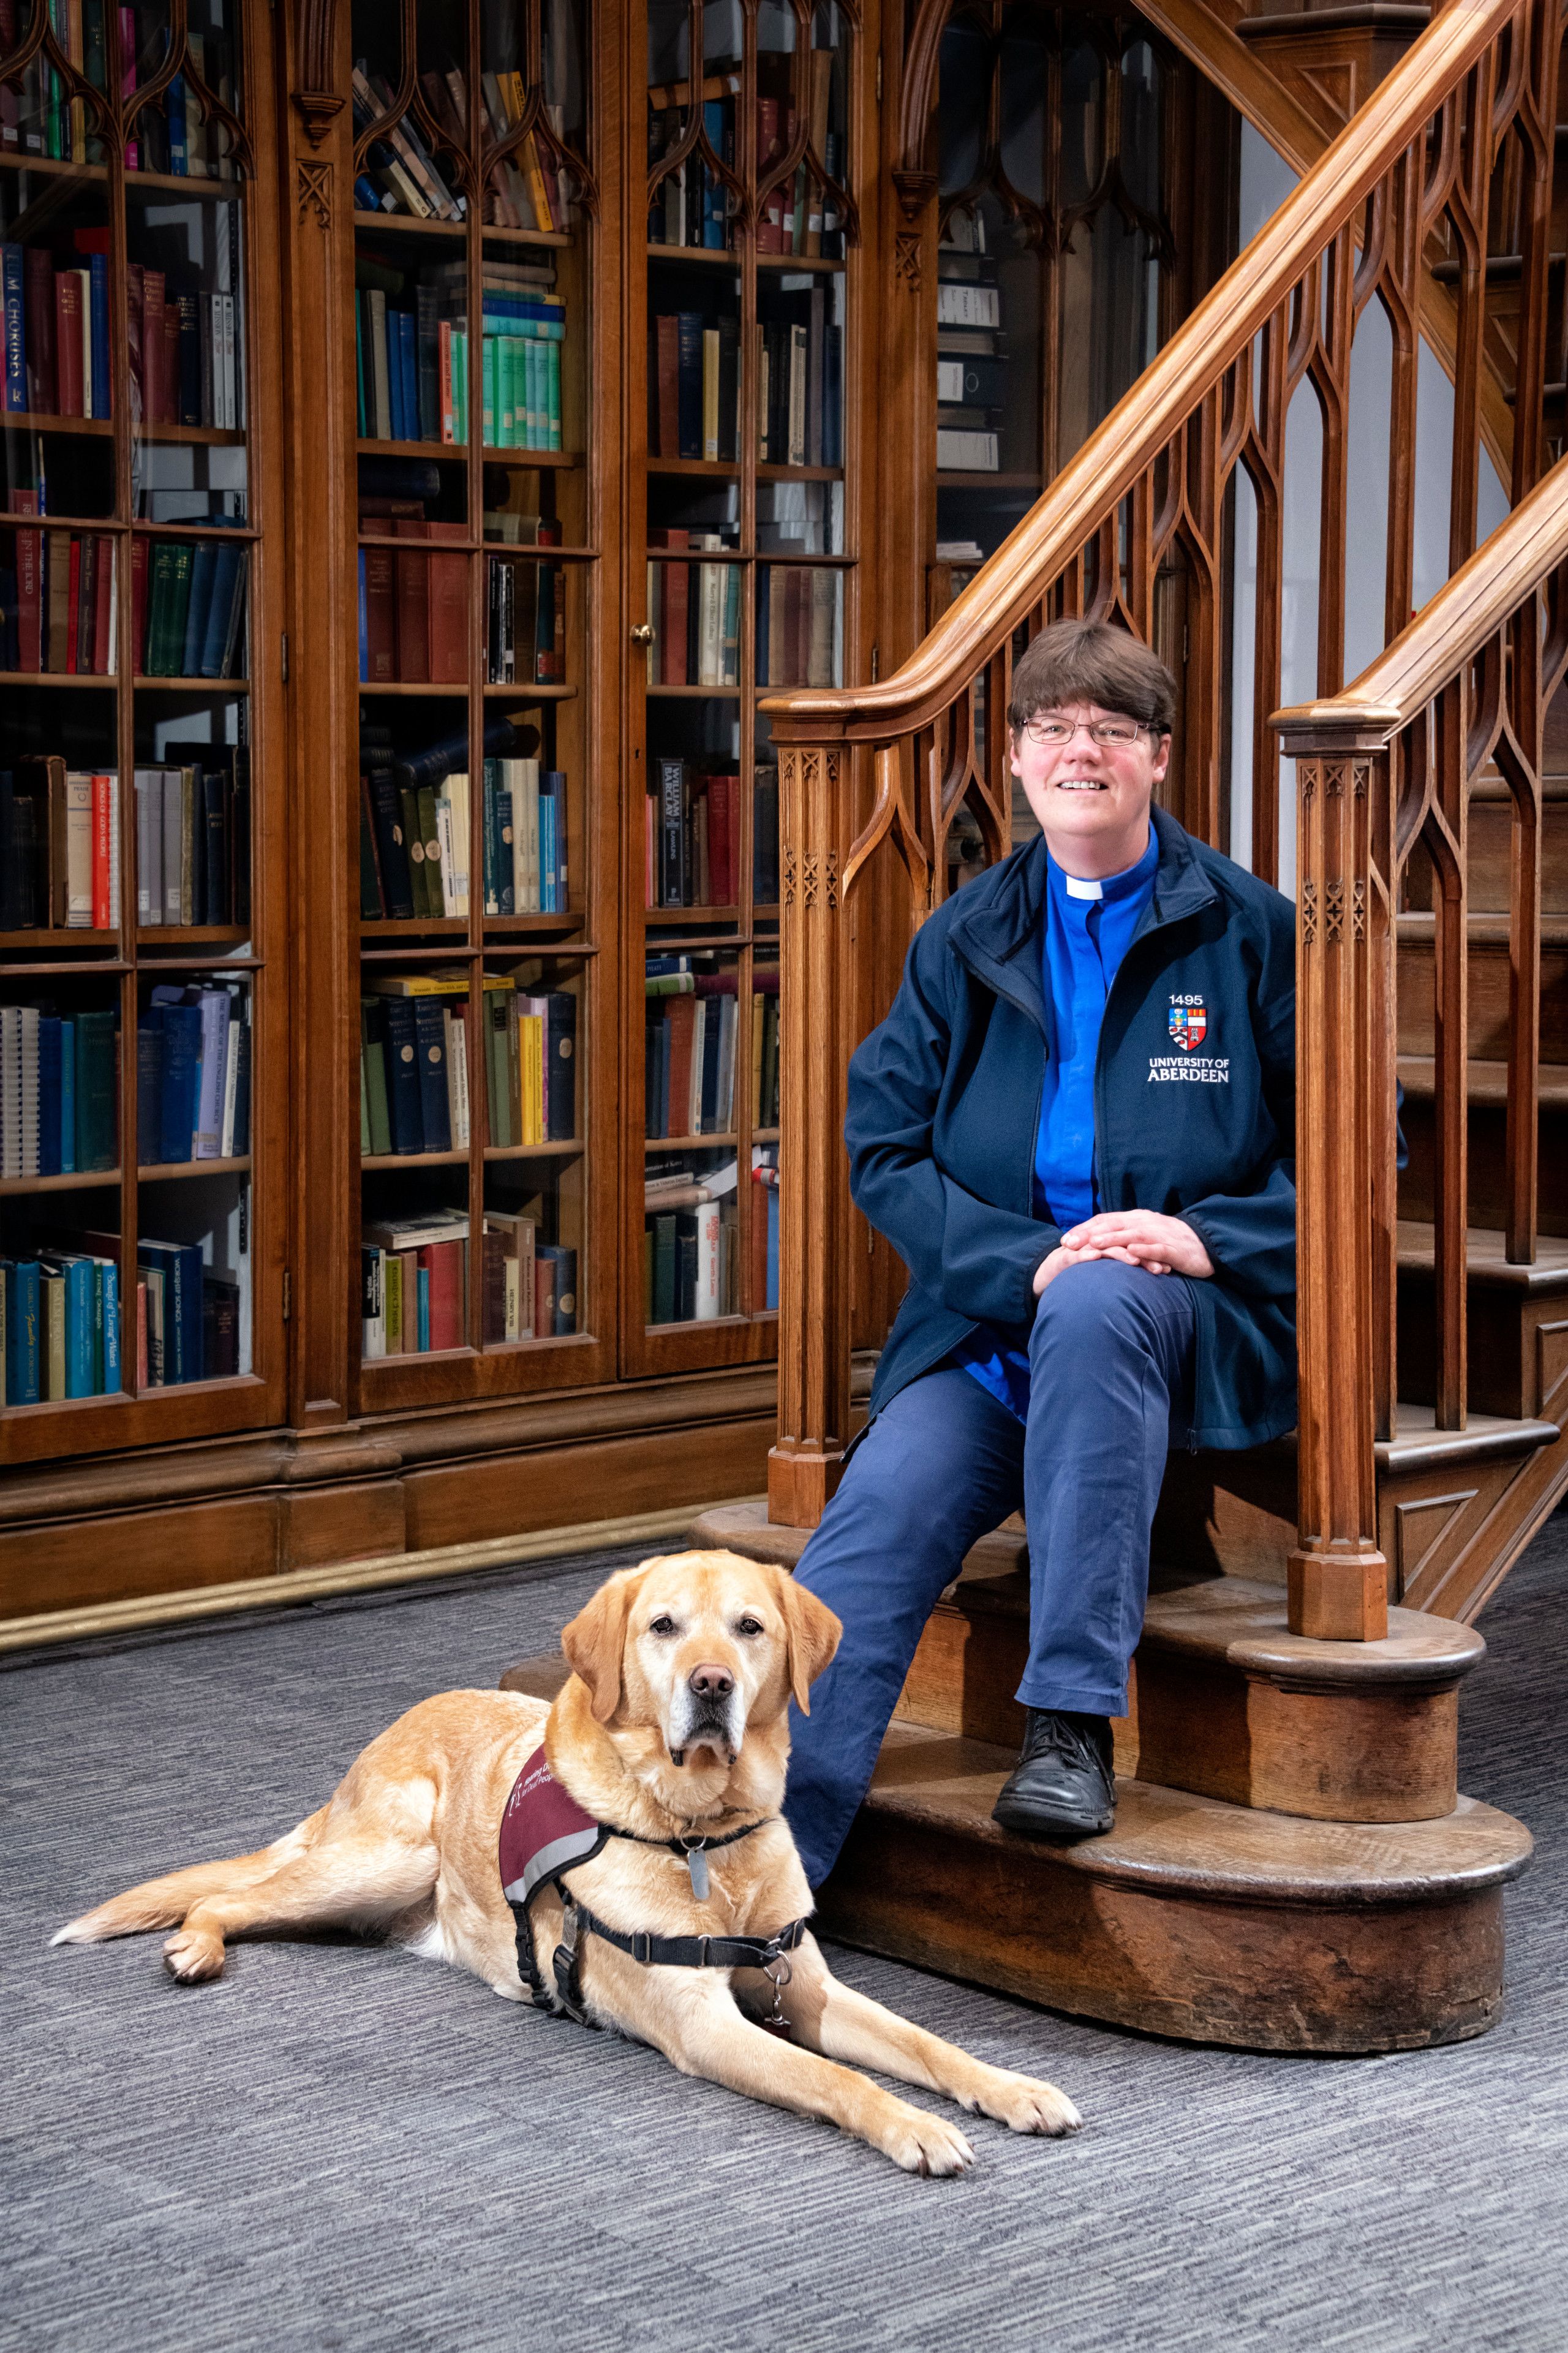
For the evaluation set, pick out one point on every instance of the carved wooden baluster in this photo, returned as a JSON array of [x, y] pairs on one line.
[[1337, 1575], [1518, 758], [814, 1280], [1444, 836]]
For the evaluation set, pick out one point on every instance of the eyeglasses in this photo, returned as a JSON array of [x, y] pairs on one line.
[[1050, 734]]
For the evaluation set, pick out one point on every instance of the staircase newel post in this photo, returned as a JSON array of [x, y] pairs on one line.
[[1337, 1574], [814, 1189]]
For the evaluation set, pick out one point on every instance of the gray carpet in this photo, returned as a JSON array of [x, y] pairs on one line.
[[345, 2147]]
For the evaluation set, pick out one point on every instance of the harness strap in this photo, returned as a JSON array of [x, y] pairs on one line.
[[693, 1952]]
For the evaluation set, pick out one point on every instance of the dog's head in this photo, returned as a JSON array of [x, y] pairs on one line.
[[699, 1647]]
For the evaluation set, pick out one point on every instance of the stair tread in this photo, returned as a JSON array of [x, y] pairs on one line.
[[1488, 1081], [1169, 1842], [1241, 1620], [1419, 1443], [1485, 1257]]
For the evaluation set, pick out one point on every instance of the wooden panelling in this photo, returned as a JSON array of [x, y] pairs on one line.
[[74, 1562], [638, 1474]]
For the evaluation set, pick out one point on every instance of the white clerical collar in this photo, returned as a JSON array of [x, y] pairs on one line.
[[1077, 889]]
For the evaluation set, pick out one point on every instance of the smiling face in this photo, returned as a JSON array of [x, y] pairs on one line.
[[698, 1645], [1091, 798]]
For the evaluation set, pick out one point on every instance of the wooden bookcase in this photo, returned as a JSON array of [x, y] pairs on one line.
[[743, 517], [136, 188], [511, 229]]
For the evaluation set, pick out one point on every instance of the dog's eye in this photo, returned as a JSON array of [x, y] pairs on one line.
[[664, 1625], [750, 1626]]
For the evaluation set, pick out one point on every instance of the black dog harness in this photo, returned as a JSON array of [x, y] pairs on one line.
[[545, 1833]]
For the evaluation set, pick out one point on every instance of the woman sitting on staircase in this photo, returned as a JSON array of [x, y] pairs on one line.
[[1076, 1128]]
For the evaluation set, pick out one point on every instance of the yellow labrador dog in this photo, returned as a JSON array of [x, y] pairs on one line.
[[670, 1734]]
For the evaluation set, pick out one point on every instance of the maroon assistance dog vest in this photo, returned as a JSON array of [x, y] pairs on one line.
[[545, 1833]]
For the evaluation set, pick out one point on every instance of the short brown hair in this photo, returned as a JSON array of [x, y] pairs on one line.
[[1089, 661]]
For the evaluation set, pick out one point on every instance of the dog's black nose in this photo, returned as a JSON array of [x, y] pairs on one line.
[[711, 1682]]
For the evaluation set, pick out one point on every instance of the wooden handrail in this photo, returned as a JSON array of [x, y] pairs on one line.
[[1451, 628], [1187, 370]]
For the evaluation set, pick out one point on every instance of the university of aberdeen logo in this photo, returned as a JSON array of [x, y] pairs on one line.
[[1188, 1022]]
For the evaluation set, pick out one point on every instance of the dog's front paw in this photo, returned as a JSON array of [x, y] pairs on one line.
[[193, 1954], [1026, 2105], [924, 2144]]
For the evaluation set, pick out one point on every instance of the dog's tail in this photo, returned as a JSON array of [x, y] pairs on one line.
[[164, 1903]]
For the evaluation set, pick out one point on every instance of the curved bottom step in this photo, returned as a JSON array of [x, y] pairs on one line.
[[1191, 1918]]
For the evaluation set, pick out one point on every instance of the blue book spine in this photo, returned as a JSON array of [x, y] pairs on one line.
[[689, 366], [228, 562], [394, 378], [203, 565], [11, 277], [714, 189], [506, 891], [554, 782], [175, 107], [109, 1317], [23, 1302], [150, 1087], [48, 1095], [80, 1317], [423, 1285], [546, 854], [182, 1082], [430, 1040], [98, 309], [408, 365], [67, 1098], [773, 1245], [363, 622], [366, 199]]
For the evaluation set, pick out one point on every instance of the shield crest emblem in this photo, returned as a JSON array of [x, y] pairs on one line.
[[1189, 1025]]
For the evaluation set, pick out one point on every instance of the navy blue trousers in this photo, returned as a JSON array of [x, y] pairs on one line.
[[1111, 1385]]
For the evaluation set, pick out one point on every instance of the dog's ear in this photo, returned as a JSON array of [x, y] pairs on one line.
[[596, 1637], [814, 1635]]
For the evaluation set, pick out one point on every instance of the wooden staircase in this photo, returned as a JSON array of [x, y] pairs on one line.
[[1292, 1866]]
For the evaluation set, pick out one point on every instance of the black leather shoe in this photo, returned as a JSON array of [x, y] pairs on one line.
[[1063, 1786]]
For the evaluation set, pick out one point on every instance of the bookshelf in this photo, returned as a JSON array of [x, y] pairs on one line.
[[1073, 233], [486, 1262], [142, 1005], [742, 492]]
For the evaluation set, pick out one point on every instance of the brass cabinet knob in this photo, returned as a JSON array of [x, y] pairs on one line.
[[642, 633]]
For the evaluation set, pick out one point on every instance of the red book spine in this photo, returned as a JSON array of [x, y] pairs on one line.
[[139, 604], [544, 1297], [29, 600], [413, 616], [152, 345], [449, 609], [443, 1261], [68, 341], [381, 616], [101, 788], [667, 384], [40, 302], [770, 224], [102, 608], [73, 605], [672, 635]]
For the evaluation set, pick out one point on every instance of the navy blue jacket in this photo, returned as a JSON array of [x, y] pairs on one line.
[[944, 1100]]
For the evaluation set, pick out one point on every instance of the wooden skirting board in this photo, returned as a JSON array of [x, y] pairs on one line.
[[342, 1576]]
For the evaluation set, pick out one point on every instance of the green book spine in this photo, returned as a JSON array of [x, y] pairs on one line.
[[496, 1016], [492, 897], [461, 383], [158, 606], [552, 393], [378, 1116], [413, 842], [430, 836], [490, 373], [179, 610], [365, 1102], [369, 880], [95, 1089], [525, 411]]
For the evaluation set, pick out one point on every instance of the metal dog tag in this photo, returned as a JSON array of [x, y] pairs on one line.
[[697, 1864]]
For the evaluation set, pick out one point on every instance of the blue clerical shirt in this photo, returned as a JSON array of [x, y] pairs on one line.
[[1089, 928]]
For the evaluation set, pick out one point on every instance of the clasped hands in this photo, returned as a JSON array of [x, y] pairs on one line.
[[1137, 1236]]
